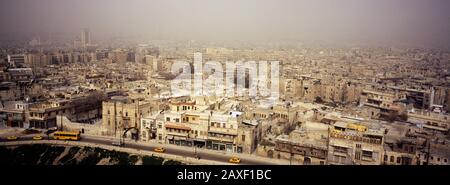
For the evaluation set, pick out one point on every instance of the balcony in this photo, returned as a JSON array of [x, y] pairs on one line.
[[179, 134], [354, 137], [227, 131], [221, 137]]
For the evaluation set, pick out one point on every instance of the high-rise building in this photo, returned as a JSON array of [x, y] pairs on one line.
[[152, 62], [85, 37], [140, 53]]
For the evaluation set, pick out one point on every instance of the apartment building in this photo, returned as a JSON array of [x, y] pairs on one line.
[[307, 144], [356, 143]]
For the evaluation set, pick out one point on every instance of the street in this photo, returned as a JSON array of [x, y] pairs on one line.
[[219, 156]]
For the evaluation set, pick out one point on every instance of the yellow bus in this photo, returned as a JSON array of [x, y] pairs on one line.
[[60, 135]]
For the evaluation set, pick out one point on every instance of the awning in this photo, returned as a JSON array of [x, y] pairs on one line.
[[223, 133], [339, 145], [199, 140], [179, 138]]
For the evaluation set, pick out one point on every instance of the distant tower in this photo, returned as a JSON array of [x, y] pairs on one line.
[[140, 53], [85, 37]]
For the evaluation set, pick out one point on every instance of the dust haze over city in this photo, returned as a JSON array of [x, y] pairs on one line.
[[400, 22], [225, 82]]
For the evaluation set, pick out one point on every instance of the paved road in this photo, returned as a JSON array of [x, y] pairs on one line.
[[177, 150]]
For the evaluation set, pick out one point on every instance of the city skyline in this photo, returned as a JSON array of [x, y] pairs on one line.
[[400, 22], [270, 85]]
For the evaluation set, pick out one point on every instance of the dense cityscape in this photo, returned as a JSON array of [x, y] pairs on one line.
[[336, 106], [351, 104]]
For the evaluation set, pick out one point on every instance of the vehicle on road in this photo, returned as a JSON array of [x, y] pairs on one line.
[[12, 138], [160, 150], [235, 160], [61, 135], [37, 138]]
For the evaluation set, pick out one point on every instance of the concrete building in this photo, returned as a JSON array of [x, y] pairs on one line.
[[308, 144], [356, 143], [85, 37], [430, 120], [121, 113], [17, 61]]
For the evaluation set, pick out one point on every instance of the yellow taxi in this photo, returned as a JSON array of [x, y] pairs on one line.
[[235, 160], [12, 138], [37, 138], [160, 149]]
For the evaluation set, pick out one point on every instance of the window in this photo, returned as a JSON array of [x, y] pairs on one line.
[[358, 145], [385, 158], [358, 155], [223, 125], [167, 119], [367, 154], [243, 138], [340, 149], [126, 114], [445, 160], [392, 159], [438, 159], [399, 160]]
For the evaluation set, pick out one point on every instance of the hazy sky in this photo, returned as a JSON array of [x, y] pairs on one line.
[[399, 21]]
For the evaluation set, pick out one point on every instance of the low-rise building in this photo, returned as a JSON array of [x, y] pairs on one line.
[[306, 145], [356, 143]]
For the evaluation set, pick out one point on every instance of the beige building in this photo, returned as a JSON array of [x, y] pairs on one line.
[[121, 113], [305, 145], [430, 120], [191, 122], [382, 104], [291, 88], [356, 143]]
